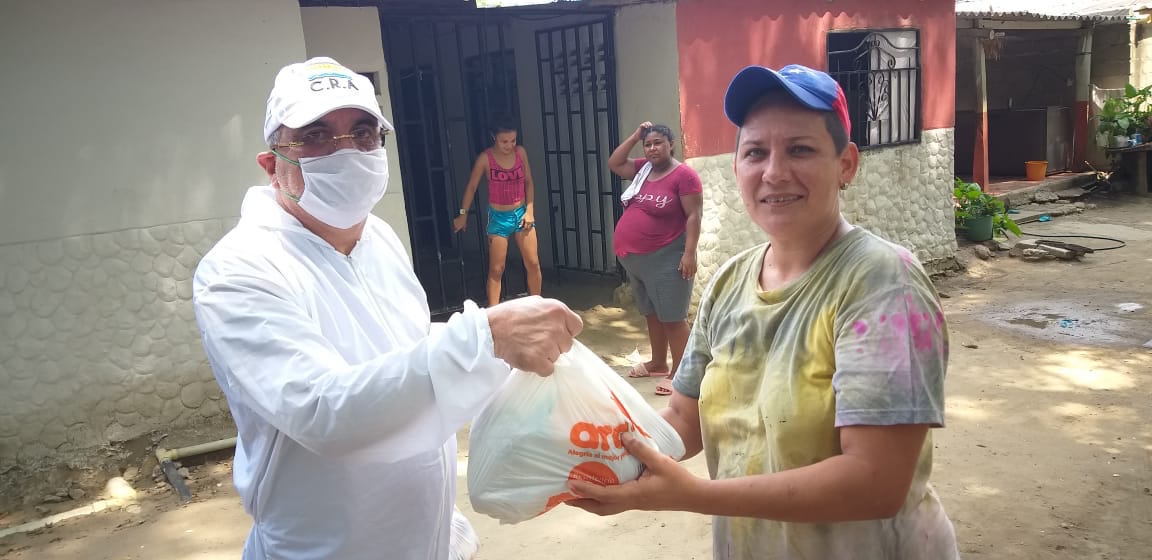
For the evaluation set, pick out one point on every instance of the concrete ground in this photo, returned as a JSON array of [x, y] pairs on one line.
[[1047, 451]]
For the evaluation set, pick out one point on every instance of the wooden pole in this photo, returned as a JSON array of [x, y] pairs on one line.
[[980, 153]]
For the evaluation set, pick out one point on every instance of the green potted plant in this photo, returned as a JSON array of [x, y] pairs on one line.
[[981, 215], [1115, 123], [1122, 117], [1139, 103]]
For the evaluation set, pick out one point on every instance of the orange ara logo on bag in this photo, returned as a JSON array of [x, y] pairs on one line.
[[590, 471], [596, 473], [590, 440], [587, 435]]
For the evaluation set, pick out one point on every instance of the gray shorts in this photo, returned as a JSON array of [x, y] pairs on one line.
[[657, 285]]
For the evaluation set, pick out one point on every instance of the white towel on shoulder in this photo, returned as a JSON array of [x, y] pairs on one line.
[[637, 182]]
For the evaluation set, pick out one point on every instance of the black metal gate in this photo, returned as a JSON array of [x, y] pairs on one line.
[[447, 78], [578, 113], [881, 82]]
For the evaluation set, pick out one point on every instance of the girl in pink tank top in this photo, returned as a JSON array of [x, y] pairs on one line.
[[505, 186], [510, 208]]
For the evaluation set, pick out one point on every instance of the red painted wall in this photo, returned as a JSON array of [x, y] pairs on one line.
[[717, 38]]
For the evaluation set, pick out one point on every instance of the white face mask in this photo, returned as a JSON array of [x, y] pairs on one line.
[[340, 189]]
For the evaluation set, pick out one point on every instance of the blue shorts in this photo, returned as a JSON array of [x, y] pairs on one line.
[[506, 222]]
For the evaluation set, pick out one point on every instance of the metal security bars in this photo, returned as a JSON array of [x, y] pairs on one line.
[[880, 74], [578, 114]]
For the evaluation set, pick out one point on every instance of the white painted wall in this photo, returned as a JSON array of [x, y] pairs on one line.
[[352, 37], [131, 113], [648, 72], [131, 129]]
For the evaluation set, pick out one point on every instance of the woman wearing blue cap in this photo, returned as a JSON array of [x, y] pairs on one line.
[[816, 364]]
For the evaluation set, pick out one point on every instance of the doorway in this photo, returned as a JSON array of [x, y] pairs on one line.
[[450, 73]]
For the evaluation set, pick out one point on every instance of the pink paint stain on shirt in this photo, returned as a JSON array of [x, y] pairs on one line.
[[923, 327], [860, 327], [909, 259], [921, 330]]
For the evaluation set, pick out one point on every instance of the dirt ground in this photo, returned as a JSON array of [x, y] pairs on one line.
[[1047, 452]]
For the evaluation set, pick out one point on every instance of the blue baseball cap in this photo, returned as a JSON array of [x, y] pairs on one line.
[[813, 89]]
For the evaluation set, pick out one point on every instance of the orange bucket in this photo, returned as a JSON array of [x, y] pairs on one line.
[[1036, 170]]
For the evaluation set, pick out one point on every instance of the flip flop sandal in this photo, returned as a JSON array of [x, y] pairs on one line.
[[640, 371], [664, 388]]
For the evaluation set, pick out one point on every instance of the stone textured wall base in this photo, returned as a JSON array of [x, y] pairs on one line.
[[98, 340]]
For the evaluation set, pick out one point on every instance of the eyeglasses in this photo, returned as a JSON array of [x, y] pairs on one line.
[[319, 143]]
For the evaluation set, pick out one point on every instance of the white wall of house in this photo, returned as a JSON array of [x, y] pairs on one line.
[[131, 132], [1141, 54], [648, 69], [132, 113], [352, 37], [1111, 56]]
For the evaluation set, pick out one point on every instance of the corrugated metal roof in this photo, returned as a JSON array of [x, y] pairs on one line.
[[1042, 17], [1100, 11]]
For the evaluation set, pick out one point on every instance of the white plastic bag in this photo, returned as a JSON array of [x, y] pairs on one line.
[[464, 542], [540, 432]]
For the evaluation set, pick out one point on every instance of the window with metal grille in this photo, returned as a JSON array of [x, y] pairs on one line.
[[879, 71]]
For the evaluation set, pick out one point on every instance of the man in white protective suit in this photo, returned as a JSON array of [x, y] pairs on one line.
[[347, 399]]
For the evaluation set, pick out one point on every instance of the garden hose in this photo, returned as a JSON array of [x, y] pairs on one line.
[[1121, 243]]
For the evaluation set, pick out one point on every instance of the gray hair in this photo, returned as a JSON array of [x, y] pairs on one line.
[[275, 138]]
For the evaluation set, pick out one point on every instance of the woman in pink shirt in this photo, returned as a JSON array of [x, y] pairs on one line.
[[655, 241], [510, 208]]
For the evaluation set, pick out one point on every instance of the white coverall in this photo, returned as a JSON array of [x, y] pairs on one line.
[[346, 400]]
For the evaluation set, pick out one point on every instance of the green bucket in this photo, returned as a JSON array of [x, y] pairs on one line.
[[979, 228]]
